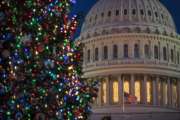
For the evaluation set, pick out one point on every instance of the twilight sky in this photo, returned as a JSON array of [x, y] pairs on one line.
[[83, 6]]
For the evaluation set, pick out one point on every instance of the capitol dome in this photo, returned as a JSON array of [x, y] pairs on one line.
[[129, 15], [132, 48]]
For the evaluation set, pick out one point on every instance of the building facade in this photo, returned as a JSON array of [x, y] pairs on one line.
[[132, 48]]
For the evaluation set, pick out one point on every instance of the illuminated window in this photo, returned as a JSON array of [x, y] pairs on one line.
[[126, 86], [174, 94], [104, 92], [149, 91], [115, 92], [138, 90]]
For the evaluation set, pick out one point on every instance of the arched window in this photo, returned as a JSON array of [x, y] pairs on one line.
[[156, 14], [105, 52], [136, 51], [149, 12], [88, 55], [102, 14], [109, 14], [142, 12], [138, 90], [164, 53], [104, 92], [96, 54], [125, 51], [134, 11], [156, 52], [178, 58], [117, 12], [172, 55], [115, 91], [125, 12], [147, 51], [115, 51]]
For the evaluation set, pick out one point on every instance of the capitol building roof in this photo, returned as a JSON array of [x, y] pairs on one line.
[[129, 15], [132, 49]]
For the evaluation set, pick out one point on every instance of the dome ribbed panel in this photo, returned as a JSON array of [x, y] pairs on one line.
[[150, 14]]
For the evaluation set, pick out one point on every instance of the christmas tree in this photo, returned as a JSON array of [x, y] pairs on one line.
[[43, 71]]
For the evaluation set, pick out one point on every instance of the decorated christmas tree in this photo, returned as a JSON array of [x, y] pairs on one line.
[[42, 78]]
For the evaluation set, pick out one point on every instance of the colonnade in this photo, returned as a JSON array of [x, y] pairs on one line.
[[147, 89]]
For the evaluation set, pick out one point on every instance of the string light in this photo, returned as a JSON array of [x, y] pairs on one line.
[[42, 75]]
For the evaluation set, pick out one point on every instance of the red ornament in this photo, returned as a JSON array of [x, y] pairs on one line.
[[40, 48]]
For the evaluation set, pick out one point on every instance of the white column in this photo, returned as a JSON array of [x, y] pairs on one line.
[[144, 89], [132, 90], [141, 47], [92, 53], [152, 50], [175, 55], [108, 90], [155, 91], [168, 54], [120, 86], [100, 52], [161, 52], [100, 93], [163, 93], [159, 49], [110, 52], [131, 49], [169, 92]]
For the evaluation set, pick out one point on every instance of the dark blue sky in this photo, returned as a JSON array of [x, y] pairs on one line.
[[83, 6]]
